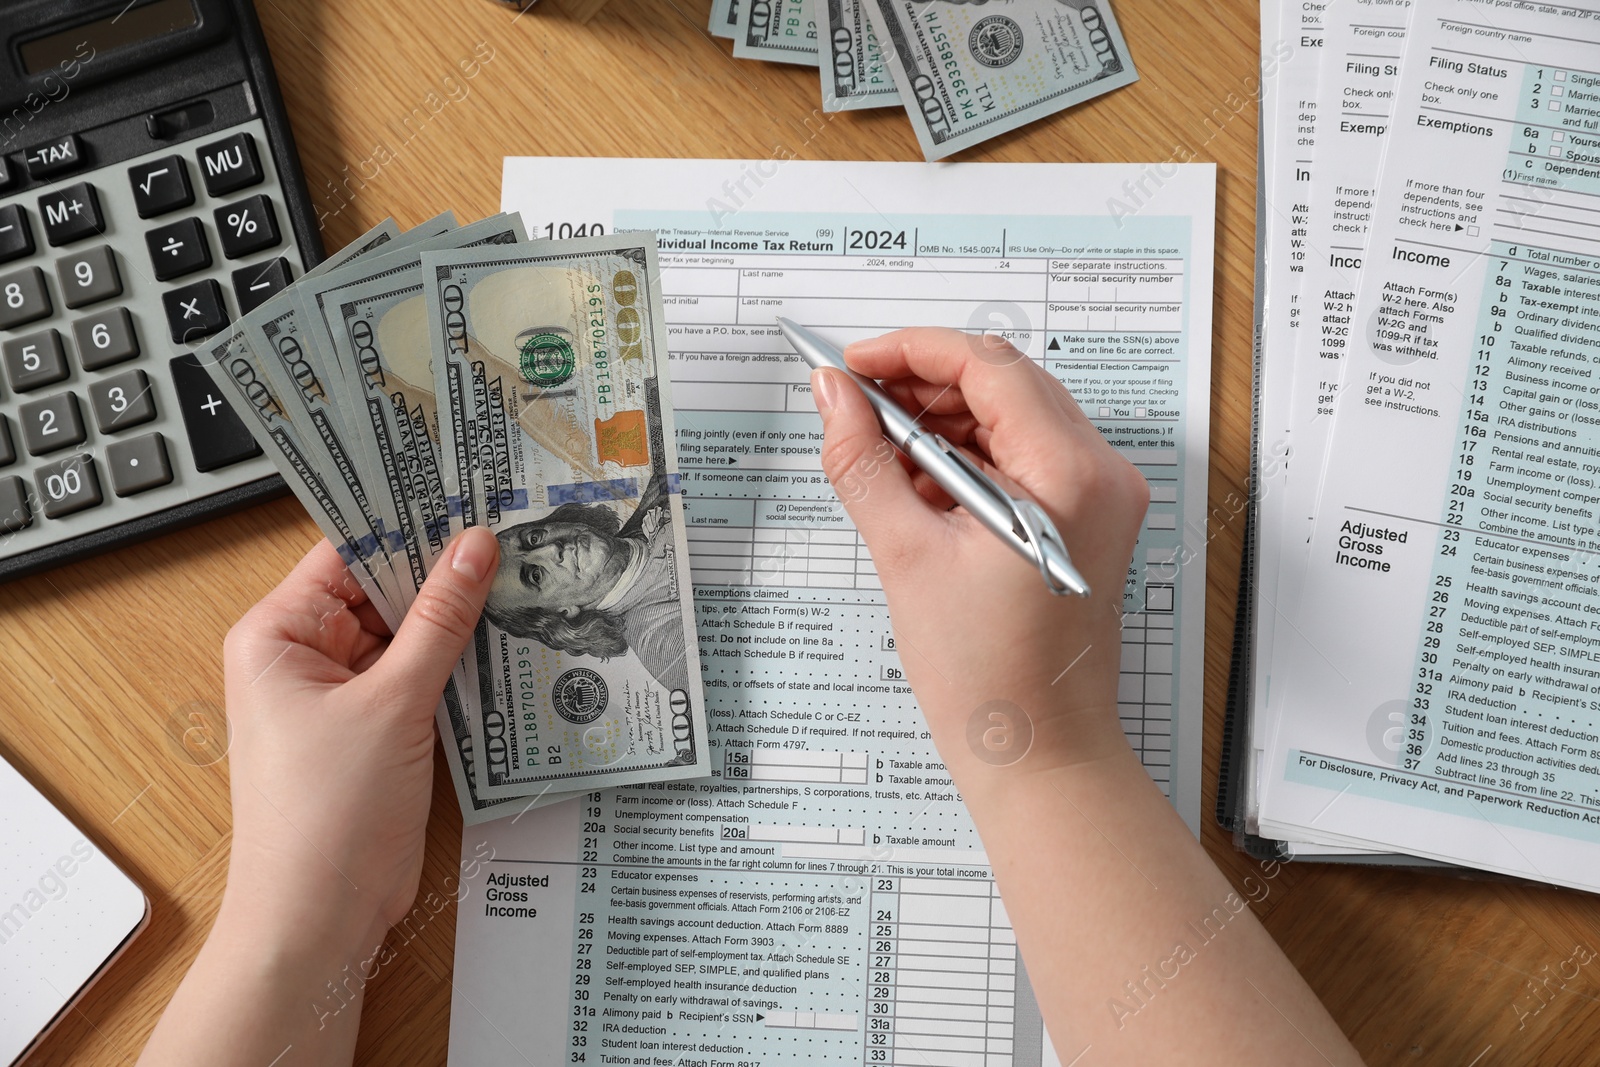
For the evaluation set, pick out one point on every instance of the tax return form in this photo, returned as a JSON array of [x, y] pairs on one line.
[[824, 898]]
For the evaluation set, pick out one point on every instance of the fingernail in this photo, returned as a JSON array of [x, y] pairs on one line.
[[475, 554], [822, 390]]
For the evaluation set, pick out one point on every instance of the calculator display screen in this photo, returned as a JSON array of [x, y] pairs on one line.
[[130, 26]]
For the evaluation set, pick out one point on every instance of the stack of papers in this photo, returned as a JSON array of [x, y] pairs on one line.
[[1419, 668]]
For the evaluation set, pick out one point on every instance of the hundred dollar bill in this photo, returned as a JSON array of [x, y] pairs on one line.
[[969, 72], [778, 31], [854, 72], [377, 327], [550, 379], [319, 298], [298, 370], [380, 335], [725, 17], [296, 359], [234, 367], [379, 235]]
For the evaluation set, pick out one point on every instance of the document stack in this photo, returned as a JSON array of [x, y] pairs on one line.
[[1417, 670]]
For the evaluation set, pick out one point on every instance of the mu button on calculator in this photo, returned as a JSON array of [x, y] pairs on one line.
[[229, 164]]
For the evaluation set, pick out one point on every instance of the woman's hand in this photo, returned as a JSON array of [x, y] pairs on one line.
[[978, 632], [331, 758], [331, 753]]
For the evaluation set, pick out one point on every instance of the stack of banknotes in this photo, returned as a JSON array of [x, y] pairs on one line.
[[449, 376], [965, 70]]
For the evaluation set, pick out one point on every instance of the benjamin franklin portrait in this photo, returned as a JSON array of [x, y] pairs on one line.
[[581, 581]]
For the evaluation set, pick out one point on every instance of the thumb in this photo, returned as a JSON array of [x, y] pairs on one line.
[[441, 620], [864, 468]]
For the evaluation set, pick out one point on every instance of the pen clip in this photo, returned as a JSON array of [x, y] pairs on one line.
[[1028, 520]]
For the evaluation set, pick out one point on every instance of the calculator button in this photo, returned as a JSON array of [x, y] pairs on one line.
[[229, 164], [51, 423], [246, 227], [160, 186], [54, 158], [217, 436], [16, 239], [8, 451], [105, 338], [33, 360], [138, 464], [5, 172], [194, 311], [122, 401], [88, 277], [254, 285], [71, 214], [178, 248], [23, 297], [14, 511], [68, 485]]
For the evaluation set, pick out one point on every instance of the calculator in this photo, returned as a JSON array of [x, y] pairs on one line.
[[149, 196]]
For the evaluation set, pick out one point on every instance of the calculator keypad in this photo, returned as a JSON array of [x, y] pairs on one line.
[[138, 464], [177, 249], [254, 285], [247, 227], [122, 401], [105, 338], [16, 239], [92, 394], [33, 360], [14, 511], [230, 164], [51, 424], [160, 186], [23, 298], [194, 312], [68, 485], [54, 158], [89, 277], [71, 214]]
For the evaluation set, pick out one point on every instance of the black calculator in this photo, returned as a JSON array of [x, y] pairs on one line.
[[149, 196]]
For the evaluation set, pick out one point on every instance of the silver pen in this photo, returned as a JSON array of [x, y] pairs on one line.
[[1018, 521]]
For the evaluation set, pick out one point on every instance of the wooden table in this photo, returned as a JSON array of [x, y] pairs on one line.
[[105, 664]]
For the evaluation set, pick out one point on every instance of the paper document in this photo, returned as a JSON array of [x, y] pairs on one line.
[[823, 897], [1441, 672]]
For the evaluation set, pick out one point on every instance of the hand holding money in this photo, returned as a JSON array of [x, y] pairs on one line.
[[457, 377]]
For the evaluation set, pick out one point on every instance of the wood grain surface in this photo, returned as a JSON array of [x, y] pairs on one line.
[[106, 664]]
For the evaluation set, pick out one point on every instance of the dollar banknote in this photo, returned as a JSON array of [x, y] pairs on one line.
[[318, 298], [967, 72], [379, 331], [555, 425], [233, 365], [854, 72], [778, 31], [725, 17]]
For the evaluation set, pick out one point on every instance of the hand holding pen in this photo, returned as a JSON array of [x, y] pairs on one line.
[[972, 618]]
